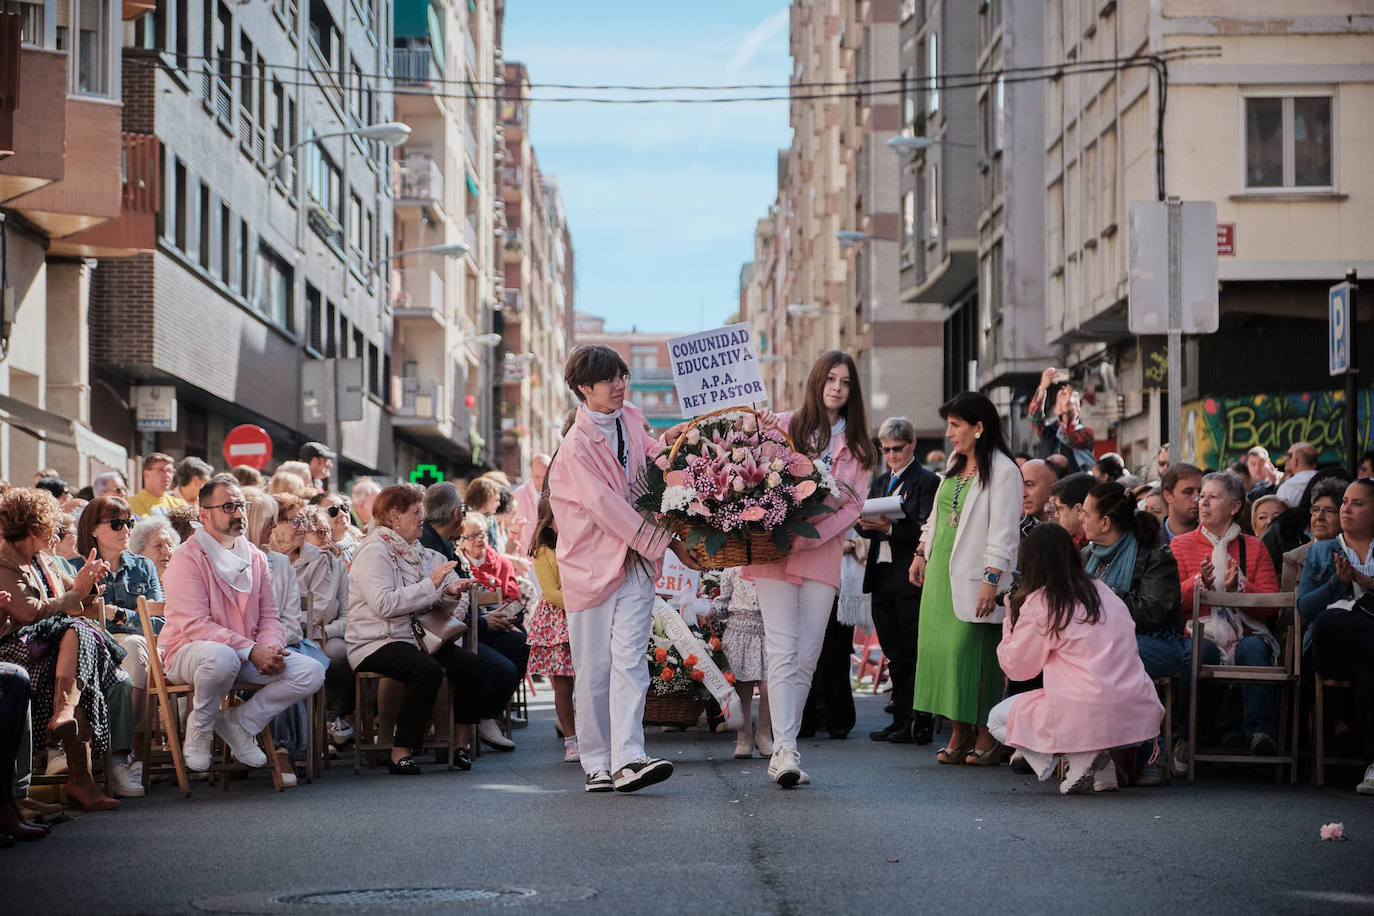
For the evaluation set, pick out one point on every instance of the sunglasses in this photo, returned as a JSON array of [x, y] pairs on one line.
[[118, 524], [894, 449], [334, 511]]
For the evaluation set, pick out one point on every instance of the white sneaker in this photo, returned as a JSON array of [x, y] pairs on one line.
[[242, 743], [1082, 770], [518, 721], [1367, 786], [646, 771], [490, 733], [744, 745], [784, 767], [196, 748], [600, 781], [340, 732], [570, 754], [57, 762], [125, 782], [1178, 758], [1104, 780]]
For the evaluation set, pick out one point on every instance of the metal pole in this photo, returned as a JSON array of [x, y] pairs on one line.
[[331, 414], [1175, 329], [1352, 373]]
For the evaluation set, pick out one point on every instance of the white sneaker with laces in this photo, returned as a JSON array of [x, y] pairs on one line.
[[1367, 786], [1082, 771], [570, 754], [196, 748], [637, 774], [124, 782], [340, 732], [57, 762], [1104, 780], [242, 743], [784, 767], [600, 781], [490, 733]]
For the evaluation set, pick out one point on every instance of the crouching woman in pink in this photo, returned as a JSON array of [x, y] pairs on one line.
[[1080, 635]]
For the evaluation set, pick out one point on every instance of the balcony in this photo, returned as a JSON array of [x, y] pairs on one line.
[[651, 374], [135, 229], [418, 293], [418, 181], [416, 402], [514, 244], [512, 301], [416, 67]]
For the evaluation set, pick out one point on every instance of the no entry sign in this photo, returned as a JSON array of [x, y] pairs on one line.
[[248, 444]]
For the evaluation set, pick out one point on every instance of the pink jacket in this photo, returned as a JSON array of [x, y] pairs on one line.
[[597, 526], [1096, 694], [201, 607], [526, 507], [819, 559]]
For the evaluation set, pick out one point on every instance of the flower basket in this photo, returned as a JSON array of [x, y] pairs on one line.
[[677, 694], [683, 710], [735, 492]]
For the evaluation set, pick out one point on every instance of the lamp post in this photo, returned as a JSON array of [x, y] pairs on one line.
[[904, 145], [391, 132]]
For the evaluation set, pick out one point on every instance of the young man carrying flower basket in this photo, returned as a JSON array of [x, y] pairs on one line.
[[609, 557]]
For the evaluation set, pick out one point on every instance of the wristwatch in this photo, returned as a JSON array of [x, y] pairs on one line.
[[990, 577]]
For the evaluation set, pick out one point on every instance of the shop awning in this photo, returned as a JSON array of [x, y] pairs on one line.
[[56, 429]]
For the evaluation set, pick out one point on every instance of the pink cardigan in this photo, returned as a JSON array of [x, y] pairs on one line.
[[201, 607], [1096, 694], [597, 526], [819, 559]]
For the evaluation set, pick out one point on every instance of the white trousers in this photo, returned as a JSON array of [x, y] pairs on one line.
[[794, 621], [212, 668], [998, 716], [608, 644], [135, 662]]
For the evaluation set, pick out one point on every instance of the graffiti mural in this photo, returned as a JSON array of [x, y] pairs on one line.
[[1218, 431]]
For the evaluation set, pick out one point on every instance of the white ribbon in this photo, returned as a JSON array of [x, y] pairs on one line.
[[687, 643]]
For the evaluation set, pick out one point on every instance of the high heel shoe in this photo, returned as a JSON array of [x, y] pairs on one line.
[[987, 757], [951, 755]]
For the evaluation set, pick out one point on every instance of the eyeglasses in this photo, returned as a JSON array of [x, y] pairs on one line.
[[894, 449], [478, 536], [118, 524], [298, 522], [321, 533], [230, 508]]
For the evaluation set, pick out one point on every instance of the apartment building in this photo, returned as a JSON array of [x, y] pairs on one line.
[[64, 199], [1268, 126], [651, 370], [263, 297], [537, 293], [445, 196]]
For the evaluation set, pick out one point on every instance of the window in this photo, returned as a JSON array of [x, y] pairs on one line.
[[1288, 142], [179, 204], [226, 244], [642, 357], [355, 224], [273, 287], [246, 87], [356, 98], [908, 224], [331, 331], [30, 13], [84, 27], [933, 202], [173, 32], [324, 36], [358, 344], [205, 224], [323, 180], [999, 112], [314, 318], [933, 73], [241, 241], [909, 98], [374, 370]]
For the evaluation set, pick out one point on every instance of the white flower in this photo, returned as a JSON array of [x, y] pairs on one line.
[[737, 455], [676, 498], [738, 485], [774, 479], [777, 464], [827, 482]]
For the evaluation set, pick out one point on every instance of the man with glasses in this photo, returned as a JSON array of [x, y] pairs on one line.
[[896, 602], [222, 627], [111, 483]]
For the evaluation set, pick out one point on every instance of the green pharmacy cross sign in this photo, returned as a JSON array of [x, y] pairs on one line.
[[426, 475]]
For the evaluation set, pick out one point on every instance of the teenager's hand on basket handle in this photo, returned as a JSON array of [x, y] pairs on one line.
[[671, 435], [685, 555], [768, 419]]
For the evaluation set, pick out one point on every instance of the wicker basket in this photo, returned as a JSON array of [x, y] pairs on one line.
[[741, 548], [672, 710]]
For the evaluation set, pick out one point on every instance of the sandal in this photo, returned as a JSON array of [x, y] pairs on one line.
[[954, 755], [987, 757], [406, 766]]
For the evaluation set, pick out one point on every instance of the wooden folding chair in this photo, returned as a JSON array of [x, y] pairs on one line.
[[161, 699], [317, 722], [377, 701], [1284, 677], [1319, 759], [1165, 687]]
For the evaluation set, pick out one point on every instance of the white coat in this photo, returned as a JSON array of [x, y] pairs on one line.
[[988, 535]]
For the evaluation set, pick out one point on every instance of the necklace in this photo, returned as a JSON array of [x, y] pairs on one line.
[[959, 484]]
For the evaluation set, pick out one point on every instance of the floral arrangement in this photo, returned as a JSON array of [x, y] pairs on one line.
[[672, 675], [730, 477]]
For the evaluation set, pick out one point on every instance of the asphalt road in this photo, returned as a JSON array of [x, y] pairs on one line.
[[882, 829]]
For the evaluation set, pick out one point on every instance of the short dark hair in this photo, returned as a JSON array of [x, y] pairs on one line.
[[1176, 472], [1110, 464], [1072, 490], [190, 468], [590, 364], [207, 491]]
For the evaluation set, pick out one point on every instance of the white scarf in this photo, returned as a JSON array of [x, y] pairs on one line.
[[402, 551], [1227, 625], [607, 423], [1221, 558], [836, 433], [233, 565]]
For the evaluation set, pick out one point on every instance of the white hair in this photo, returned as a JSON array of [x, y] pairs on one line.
[[147, 527]]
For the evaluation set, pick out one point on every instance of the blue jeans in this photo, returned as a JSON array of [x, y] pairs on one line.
[[1257, 700], [291, 728], [1163, 657], [14, 715]]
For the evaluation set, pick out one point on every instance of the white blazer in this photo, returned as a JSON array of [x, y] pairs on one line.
[[988, 535]]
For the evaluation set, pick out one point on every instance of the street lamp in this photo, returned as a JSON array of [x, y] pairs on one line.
[[849, 238], [905, 145], [392, 132], [799, 310], [456, 250]]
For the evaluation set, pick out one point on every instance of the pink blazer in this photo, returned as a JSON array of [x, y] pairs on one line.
[[201, 607], [819, 559], [597, 526], [1096, 694], [526, 507]]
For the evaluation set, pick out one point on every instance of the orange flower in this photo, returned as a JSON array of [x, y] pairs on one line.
[[714, 644], [691, 661], [667, 674], [698, 675], [660, 655], [730, 677]]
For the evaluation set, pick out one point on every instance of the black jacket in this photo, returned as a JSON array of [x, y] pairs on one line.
[[917, 490], [1155, 599]]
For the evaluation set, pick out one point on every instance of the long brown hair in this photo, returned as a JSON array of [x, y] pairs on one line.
[[1051, 562], [545, 532], [809, 428]]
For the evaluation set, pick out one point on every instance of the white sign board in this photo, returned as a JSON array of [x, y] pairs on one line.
[[715, 369], [1340, 329], [677, 579], [1148, 307], [155, 408]]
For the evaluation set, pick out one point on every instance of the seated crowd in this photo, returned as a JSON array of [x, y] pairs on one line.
[[281, 583]]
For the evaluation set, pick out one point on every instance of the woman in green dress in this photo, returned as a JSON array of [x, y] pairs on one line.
[[965, 559]]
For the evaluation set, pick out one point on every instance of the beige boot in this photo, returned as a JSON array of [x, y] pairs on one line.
[[744, 744]]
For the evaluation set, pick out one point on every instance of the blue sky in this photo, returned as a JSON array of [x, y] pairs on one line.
[[661, 199]]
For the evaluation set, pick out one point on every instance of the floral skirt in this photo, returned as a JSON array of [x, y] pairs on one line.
[[546, 633]]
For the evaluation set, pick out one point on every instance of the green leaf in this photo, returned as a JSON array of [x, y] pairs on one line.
[[781, 539], [814, 510], [715, 541], [803, 529]]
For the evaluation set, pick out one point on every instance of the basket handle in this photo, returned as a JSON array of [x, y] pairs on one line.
[[682, 437]]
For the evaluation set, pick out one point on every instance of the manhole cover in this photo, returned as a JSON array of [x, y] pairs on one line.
[[390, 896]]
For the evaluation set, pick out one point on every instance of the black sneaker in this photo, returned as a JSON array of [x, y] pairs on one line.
[[645, 771], [600, 781]]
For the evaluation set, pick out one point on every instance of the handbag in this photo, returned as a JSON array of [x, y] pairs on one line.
[[435, 629]]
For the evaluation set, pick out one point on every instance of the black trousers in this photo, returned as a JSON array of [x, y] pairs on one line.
[[830, 704], [15, 690], [1344, 645], [896, 618], [422, 674]]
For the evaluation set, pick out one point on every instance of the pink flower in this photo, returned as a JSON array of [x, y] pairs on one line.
[[737, 485], [800, 466], [1333, 832], [806, 488], [697, 507], [769, 449], [748, 424], [693, 436], [662, 462], [753, 514], [675, 479]]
